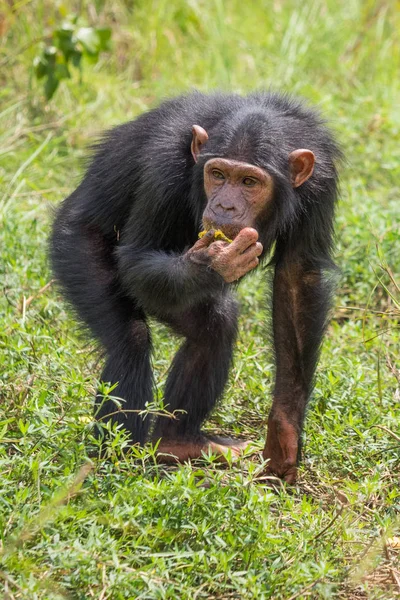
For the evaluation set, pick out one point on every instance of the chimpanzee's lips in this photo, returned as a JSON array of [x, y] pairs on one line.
[[231, 230]]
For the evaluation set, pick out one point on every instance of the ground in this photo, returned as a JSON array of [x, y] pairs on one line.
[[73, 525]]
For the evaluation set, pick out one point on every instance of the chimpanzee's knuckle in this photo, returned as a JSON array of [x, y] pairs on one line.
[[214, 250], [218, 246]]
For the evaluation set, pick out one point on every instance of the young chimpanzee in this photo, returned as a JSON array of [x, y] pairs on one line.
[[261, 168]]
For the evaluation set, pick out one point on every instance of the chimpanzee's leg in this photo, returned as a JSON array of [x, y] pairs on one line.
[[84, 264], [301, 300], [198, 376], [128, 364]]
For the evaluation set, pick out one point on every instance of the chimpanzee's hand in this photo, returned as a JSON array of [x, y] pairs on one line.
[[231, 261]]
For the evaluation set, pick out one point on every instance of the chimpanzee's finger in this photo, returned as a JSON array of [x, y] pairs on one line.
[[248, 266], [241, 270], [204, 242], [253, 264], [253, 250], [245, 238]]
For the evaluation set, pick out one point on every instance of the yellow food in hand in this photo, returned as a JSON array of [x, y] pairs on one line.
[[218, 235]]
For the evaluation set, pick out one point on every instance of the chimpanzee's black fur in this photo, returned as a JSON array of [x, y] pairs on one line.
[[119, 240]]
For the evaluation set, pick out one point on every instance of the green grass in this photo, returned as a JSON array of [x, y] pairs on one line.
[[127, 528]]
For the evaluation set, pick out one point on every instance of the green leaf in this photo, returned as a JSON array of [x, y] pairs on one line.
[[104, 34], [76, 57], [65, 32], [41, 66], [23, 427], [50, 86], [89, 39], [92, 58], [50, 55], [50, 51], [62, 71], [65, 40]]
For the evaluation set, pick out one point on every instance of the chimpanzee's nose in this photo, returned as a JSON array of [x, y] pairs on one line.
[[225, 205]]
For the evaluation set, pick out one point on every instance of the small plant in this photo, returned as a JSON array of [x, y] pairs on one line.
[[66, 47]]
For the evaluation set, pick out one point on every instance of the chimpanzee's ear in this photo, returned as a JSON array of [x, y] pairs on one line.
[[301, 164], [200, 136]]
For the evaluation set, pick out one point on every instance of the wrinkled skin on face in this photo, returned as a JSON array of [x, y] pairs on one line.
[[237, 193]]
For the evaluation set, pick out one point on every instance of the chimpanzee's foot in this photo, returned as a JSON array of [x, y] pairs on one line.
[[281, 448], [180, 450]]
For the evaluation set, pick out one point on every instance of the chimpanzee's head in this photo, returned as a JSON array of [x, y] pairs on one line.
[[238, 192]]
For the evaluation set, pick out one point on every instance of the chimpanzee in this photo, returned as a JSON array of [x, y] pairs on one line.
[[263, 170]]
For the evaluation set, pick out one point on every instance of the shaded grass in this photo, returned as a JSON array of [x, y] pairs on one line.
[[134, 530]]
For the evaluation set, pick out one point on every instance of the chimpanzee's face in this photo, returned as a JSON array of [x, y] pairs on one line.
[[237, 194]]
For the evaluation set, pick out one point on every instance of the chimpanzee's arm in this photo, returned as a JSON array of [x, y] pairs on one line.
[[301, 299], [166, 283]]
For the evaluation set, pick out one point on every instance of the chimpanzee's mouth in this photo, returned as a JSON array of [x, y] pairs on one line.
[[231, 230]]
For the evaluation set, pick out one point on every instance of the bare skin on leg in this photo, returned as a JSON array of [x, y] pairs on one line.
[[281, 448]]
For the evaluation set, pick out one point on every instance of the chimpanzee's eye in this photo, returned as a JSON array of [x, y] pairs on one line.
[[249, 181], [217, 174]]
